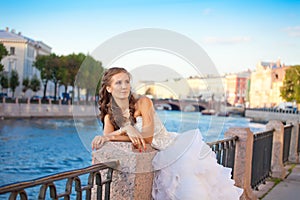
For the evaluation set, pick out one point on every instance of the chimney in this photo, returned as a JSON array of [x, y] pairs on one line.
[[13, 30], [7, 29], [19, 33]]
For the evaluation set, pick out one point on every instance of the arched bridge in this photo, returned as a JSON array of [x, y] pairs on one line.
[[184, 105]]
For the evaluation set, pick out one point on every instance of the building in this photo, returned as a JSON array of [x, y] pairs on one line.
[[237, 87], [22, 52], [265, 84], [205, 88]]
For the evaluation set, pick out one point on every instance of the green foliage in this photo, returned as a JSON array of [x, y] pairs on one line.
[[26, 84], [14, 81], [64, 70], [42, 64], [3, 53], [4, 81], [35, 83], [89, 76], [290, 90]]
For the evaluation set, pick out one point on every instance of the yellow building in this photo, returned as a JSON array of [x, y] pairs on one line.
[[265, 84]]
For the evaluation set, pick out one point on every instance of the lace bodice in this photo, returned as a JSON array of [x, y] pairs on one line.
[[161, 137]]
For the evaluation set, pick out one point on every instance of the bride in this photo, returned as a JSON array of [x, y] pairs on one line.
[[185, 166]]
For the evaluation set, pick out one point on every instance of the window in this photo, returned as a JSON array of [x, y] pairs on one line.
[[30, 52], [12, 51]]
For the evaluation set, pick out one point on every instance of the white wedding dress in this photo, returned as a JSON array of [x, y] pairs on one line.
[[186, 168]]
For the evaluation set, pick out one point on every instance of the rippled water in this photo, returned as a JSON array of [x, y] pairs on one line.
[[32, 148]]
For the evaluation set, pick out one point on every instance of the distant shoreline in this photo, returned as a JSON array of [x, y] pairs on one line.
[[16, 110]]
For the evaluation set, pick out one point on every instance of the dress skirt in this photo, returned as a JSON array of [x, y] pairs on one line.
[[188, 170]]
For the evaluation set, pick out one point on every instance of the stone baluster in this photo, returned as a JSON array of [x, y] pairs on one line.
[[133, 178], [243, 160], [277, 166], [293, 155]]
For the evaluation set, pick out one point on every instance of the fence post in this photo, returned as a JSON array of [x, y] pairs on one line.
[[243, 160], [293, 156], [133, 178], [277, 166]]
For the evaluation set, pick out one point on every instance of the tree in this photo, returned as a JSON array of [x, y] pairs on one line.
[[3, 53], [73, 63], [35, 83], [14, 81], [89, 76], [4, 81], [26, 84], [42, 63], [56, 67], [290, 91]]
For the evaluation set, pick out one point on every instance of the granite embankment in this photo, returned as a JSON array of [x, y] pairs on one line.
[[16, 110]]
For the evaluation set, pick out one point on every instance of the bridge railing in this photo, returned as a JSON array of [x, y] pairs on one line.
[[261, 157], [18, 190]]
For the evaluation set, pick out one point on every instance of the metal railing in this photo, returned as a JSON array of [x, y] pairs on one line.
[[274, 110], [94, 181], [225, 151], [298, 149], [261, 157], [286, 142]]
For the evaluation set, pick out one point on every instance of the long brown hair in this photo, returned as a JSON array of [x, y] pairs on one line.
[[106, 102]]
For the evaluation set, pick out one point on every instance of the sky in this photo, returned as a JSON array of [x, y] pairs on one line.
[[236, 35]]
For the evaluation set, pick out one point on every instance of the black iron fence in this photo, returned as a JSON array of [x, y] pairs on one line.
[[94, 180], [287, 142], [225, 151], [298, 149], [261, 157], [291, 111]]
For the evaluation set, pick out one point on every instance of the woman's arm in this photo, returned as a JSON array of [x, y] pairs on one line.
[[146, 108], [109, 134]]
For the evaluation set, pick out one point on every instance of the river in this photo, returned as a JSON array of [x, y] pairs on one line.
[[32, 148]]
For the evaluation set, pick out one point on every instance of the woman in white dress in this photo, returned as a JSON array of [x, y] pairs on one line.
[[185, 166]]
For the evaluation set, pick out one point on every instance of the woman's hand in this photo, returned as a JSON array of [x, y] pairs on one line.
[[135, 137], [98, 141]]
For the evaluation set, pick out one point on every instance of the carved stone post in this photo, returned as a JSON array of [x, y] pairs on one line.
[[277, 166], [293, 156], [243, 160], [133, 178]]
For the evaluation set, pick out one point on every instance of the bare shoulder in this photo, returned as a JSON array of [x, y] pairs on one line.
[[106, 119], [144, 102]]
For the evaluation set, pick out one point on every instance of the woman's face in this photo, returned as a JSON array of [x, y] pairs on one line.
[[120, 86]]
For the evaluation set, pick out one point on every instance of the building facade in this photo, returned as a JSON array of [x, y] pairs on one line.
[[265, 84], [205, 88], [237, 87], [22, 52]]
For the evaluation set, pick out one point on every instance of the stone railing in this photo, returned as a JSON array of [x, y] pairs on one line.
[[134, 176], [266, 115], [17, 109]]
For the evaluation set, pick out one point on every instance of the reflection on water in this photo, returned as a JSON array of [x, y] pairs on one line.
[[32, 148]]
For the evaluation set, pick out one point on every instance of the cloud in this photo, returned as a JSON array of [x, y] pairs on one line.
[[293, 31], [231, 40]]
